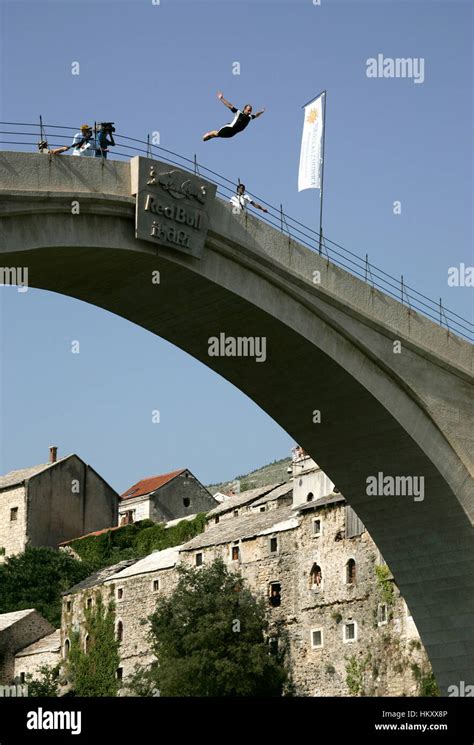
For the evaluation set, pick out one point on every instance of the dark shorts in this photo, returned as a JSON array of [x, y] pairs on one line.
[[228, 131]]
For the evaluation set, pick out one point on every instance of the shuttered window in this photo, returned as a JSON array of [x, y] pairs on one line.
[[354, 526]]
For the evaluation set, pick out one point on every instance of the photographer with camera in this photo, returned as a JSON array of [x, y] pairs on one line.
[[83, 143], [104, 139]]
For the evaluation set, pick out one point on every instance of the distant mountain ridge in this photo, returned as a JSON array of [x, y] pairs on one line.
[[273, 473]]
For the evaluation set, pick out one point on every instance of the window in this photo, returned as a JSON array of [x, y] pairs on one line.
[[275, 594], [262, 509], [273, 545], [350, 631], [119, 673], [236, 513], [382, 615], [186, 501], [13, 514], [199, 559], [68, 606], [128, 517], [310, 497], [315, 577], [87, 643], [350, 572], [67, 648], [89, 603], [273, 644], [216, 519], [22, 678], [316, 527], [316, 638], [156, 585], [119, 631], [235, 553], [120, 593]]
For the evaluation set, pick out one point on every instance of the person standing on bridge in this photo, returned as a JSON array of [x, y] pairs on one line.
[[83, 143], [104, 139], [241, 199], [238, 124]]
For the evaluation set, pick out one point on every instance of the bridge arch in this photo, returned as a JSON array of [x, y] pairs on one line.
[[329, 348]]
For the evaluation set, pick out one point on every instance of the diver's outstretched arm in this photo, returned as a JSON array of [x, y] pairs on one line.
[[226, 103]]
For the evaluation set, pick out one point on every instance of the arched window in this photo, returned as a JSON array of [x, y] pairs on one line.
[[310, 497], [186, 501], [350, 572], [315, 576], [67, 648], [119, 631], [87, 643]]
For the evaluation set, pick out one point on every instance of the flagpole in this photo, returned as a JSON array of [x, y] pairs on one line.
[[313, 99], [322, 178]]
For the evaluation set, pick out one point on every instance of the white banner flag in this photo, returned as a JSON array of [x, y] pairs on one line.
[[309, 175]]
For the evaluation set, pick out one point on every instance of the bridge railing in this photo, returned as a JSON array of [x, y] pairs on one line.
[[23, 134]]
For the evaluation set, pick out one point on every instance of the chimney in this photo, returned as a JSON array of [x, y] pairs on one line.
[[53, 454]]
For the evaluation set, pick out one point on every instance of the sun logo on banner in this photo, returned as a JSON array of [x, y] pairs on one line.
[[312, 116]]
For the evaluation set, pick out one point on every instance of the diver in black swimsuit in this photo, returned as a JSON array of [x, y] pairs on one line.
[[238, 124]]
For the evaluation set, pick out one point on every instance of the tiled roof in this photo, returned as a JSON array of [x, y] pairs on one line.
[[164, 559], [18, 477], [321, 502], [248, 525], [8, 619], [49, 643], [87, 535], [99, 577], [240, 499], [280, 491], [146, 486]]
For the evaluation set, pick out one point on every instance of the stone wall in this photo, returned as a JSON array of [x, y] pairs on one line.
[[376, 662], [309, 479], [140, 507], [133, 605], [394, 645], [24, 631], [180, 497], [67, 501], [31, 664], [12, 532]]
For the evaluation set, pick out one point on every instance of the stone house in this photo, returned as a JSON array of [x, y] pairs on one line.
[[165, 497], [46, 504], [18, 630], [332, 603], [253, 499], [46, 652]]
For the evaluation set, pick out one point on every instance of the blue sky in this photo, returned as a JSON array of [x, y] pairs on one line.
[[158, 68]]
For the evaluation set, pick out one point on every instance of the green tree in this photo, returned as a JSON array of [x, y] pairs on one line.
[[209, 637], [426, 681], [94, 672], [46, 685], [36, 579], [142, 682]]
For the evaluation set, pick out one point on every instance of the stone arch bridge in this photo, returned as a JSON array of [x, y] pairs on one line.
[[393, 389]]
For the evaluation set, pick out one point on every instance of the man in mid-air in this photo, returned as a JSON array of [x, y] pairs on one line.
[[238, 124]]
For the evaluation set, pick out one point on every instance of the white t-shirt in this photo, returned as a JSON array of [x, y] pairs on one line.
[[240, 201], [87, 149]]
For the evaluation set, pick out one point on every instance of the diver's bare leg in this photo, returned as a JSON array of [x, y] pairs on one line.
[[210, 135]]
